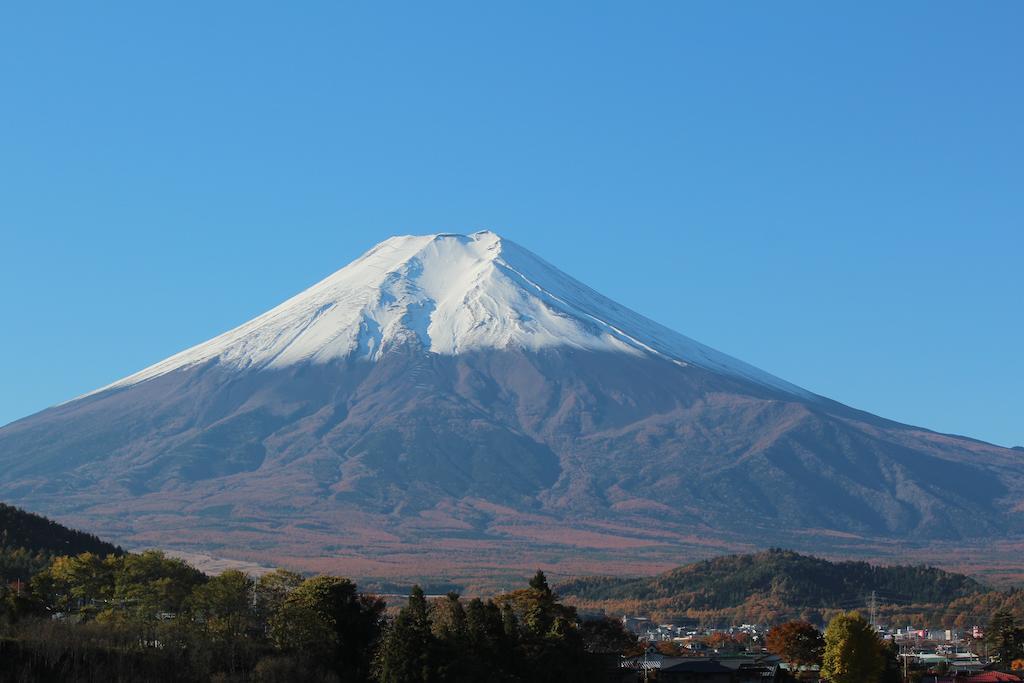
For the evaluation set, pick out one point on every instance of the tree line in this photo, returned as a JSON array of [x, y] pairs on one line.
[[147, 616], [851, 651]]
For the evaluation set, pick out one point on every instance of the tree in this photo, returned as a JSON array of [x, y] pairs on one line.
[[492, 641], [449, 619], [1005, 638], [892, 666], [606, 636], [722, 642], [539, 582], [326, 619], [853, 651], [81, 582], [539, 615], [535, 610], [799, 643], [223, 608], [270, 593], [151, 583], [16, 604], [406, 653]]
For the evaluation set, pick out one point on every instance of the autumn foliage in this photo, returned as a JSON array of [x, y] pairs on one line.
[[797, 642]]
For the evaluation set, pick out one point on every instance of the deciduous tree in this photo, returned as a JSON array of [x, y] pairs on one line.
[[853, 651], [326, 617], [799, 643]]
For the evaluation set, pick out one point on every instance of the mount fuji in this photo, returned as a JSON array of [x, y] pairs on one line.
[[454, 405]]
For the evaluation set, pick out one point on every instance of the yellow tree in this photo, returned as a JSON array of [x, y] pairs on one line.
[[853, 652]]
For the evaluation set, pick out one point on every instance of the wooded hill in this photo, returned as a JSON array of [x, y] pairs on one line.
[[773, 581], [28, 542]]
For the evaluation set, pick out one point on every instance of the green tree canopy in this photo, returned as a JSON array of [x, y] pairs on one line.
[[271, 590], [325, 617]]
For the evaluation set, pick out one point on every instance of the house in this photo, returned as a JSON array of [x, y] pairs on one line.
[[757, 673]]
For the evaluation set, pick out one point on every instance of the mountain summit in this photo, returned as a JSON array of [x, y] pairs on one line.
[[453, 404], [448, 294]]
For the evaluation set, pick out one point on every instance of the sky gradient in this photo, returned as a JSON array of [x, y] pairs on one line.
[[834, 193]]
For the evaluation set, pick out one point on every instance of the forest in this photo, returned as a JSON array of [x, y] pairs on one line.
[[75, 608], [28, 542], [777, 585], [147, 616]]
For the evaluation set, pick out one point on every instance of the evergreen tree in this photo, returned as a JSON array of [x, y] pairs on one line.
[[539, 582], [1005, 638], [406, 654]]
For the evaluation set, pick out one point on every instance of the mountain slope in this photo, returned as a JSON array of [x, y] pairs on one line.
[[454, 402]]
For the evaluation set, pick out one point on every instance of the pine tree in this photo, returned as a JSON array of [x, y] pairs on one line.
[[407, 652], [539, 582]]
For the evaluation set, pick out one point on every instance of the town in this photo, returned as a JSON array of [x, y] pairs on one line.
[[684, 652]]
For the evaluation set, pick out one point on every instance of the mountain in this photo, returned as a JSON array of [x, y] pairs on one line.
[[786, 578], [453, 405]]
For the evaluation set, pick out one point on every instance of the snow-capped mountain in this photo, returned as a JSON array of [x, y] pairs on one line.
[[453, 404], [451, 294]]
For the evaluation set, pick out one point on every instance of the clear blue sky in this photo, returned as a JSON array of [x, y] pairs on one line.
[[831, 191]]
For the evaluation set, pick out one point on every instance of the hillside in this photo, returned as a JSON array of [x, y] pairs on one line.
[[28, 541], [776, 578]]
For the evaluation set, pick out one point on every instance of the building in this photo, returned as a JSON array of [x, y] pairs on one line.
[[703, 670]]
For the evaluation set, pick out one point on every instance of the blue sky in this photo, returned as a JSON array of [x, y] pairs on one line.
[[833, 192]]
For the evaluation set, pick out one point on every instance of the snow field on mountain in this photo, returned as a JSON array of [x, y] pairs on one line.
[[451, 294]]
